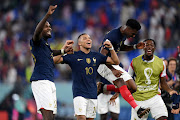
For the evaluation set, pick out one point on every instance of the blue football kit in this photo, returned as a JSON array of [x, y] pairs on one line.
[[117, 39], [84, 72], [43, 59]]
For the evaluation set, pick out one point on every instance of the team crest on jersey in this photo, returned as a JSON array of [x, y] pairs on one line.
[[88, 60], [94, 59]]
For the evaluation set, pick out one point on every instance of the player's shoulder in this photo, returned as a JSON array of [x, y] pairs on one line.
[[157, 58], [138, 57]]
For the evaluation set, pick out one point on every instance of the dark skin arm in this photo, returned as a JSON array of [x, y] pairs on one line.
[[117, 73], [67, 48], [40, 26], [130, 47]]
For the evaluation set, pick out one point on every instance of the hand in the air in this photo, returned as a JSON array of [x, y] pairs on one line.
[[51, 9]]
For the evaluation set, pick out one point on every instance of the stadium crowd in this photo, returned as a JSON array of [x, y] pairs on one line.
[[159, 20]]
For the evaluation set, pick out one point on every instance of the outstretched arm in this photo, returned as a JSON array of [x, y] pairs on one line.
[[132, 47], [40, 26]]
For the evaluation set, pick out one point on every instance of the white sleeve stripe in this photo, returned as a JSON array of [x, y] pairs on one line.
[[163, 73]]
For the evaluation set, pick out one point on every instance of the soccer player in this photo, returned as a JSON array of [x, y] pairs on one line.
[[42, 84], [84, 65], [149, 74], [149, 71], [115, 74]]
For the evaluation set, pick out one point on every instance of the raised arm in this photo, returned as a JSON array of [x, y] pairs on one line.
[[67, 48], [114, 58], [124, 47], [40, 26]]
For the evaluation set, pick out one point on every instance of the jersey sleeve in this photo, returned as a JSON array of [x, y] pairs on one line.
[[102, 58], [131, 69], [67, 58], [163, 73]]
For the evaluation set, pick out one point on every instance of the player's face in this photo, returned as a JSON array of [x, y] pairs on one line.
[[47, 30], [130, 32], [85, 41], [149, 48]]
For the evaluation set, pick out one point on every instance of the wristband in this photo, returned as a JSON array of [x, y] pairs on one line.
[[134, 46], [62, 51], [112, 48]]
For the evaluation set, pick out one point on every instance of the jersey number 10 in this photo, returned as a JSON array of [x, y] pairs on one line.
[[89, 70]]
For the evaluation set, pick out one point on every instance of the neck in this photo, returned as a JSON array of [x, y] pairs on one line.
[[85, 50], [148, 58]]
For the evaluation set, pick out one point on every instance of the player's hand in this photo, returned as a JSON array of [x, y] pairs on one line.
[[113, 98], [68, 43], [173, 92], [175, 111], [140, 45], [68, 49], [51, 9], [117, 73], [107, 44]]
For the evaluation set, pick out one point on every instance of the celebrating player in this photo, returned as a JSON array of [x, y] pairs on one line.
[[114, 73], [43, 87], [84, 65], [149, 70]]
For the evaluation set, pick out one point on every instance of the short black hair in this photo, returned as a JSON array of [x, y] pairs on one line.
[[81, 35], [151, 40], [134, 24]]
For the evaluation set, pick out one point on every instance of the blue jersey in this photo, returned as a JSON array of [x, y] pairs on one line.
[[43, 59], [84, 71], [116, 38]]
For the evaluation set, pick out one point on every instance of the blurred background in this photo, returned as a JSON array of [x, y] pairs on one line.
[[160, 20]]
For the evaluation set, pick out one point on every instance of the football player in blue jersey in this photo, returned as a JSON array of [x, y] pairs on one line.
[[42, 83], [84, 65], [114, 73]]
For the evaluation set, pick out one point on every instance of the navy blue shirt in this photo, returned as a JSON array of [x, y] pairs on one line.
[[84, 71], [43, 59], [117, 39]]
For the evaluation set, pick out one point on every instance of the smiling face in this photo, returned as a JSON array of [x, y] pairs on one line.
[[46, 33], [149, 48], [85, 41]]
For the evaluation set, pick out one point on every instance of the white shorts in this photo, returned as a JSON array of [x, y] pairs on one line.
[[84, 106], [156, 105], [105, 72], [104, 106], [44, 92]]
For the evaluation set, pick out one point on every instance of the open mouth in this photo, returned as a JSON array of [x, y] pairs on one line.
[[149, 51]]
